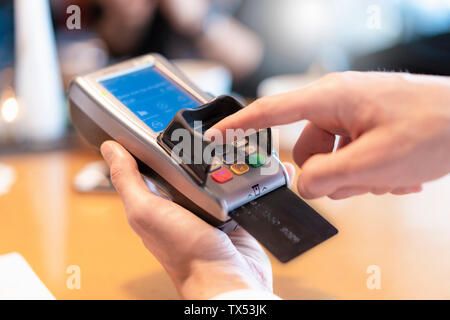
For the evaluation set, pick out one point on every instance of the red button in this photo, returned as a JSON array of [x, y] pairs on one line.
[[222, 176]]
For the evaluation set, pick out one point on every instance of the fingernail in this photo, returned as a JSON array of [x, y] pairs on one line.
[[107, 152]]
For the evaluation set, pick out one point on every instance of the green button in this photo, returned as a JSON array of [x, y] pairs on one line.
[[256, 160]]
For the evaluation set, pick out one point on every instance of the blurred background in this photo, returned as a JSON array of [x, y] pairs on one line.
[[56, 208], [252, 47]]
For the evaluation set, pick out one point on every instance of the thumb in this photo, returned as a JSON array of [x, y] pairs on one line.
[[144, 208], [124, 173], [373, 160]]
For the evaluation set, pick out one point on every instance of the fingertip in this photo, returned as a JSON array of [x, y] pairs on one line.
[[303, 190], [112, 150], [407, 190], [380, 190], [315, 180], [250, 117], [209, 134], [214, 135], [109, 144], [217, 131], [107, 151]]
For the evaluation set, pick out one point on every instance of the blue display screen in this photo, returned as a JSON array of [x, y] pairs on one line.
[[150, 96]]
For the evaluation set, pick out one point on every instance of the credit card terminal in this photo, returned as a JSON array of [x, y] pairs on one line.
[[147, 105]]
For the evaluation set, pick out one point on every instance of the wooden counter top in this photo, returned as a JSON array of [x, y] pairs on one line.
[[53, 227]]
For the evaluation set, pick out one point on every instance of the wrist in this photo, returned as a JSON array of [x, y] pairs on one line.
[[207, 280]]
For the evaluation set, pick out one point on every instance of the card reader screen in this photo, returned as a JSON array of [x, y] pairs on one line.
[[151, 96]]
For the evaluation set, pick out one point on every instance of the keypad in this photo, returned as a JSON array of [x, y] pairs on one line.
[[222, 176], [256, 160], [240, 168]]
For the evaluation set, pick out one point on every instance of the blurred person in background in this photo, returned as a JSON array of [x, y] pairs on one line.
[[257, 39], [174, 28]]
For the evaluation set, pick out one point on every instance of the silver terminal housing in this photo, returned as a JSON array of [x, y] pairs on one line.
[[99, 116]]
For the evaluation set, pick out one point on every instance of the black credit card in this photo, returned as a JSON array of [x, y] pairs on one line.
[[283, 223]]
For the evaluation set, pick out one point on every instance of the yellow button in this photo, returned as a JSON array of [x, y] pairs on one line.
[[239, 168]]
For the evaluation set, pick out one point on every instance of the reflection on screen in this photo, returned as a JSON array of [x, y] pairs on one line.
[[149, 95]]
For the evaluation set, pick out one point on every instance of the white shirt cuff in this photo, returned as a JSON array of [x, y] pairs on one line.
[[246, 295]]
